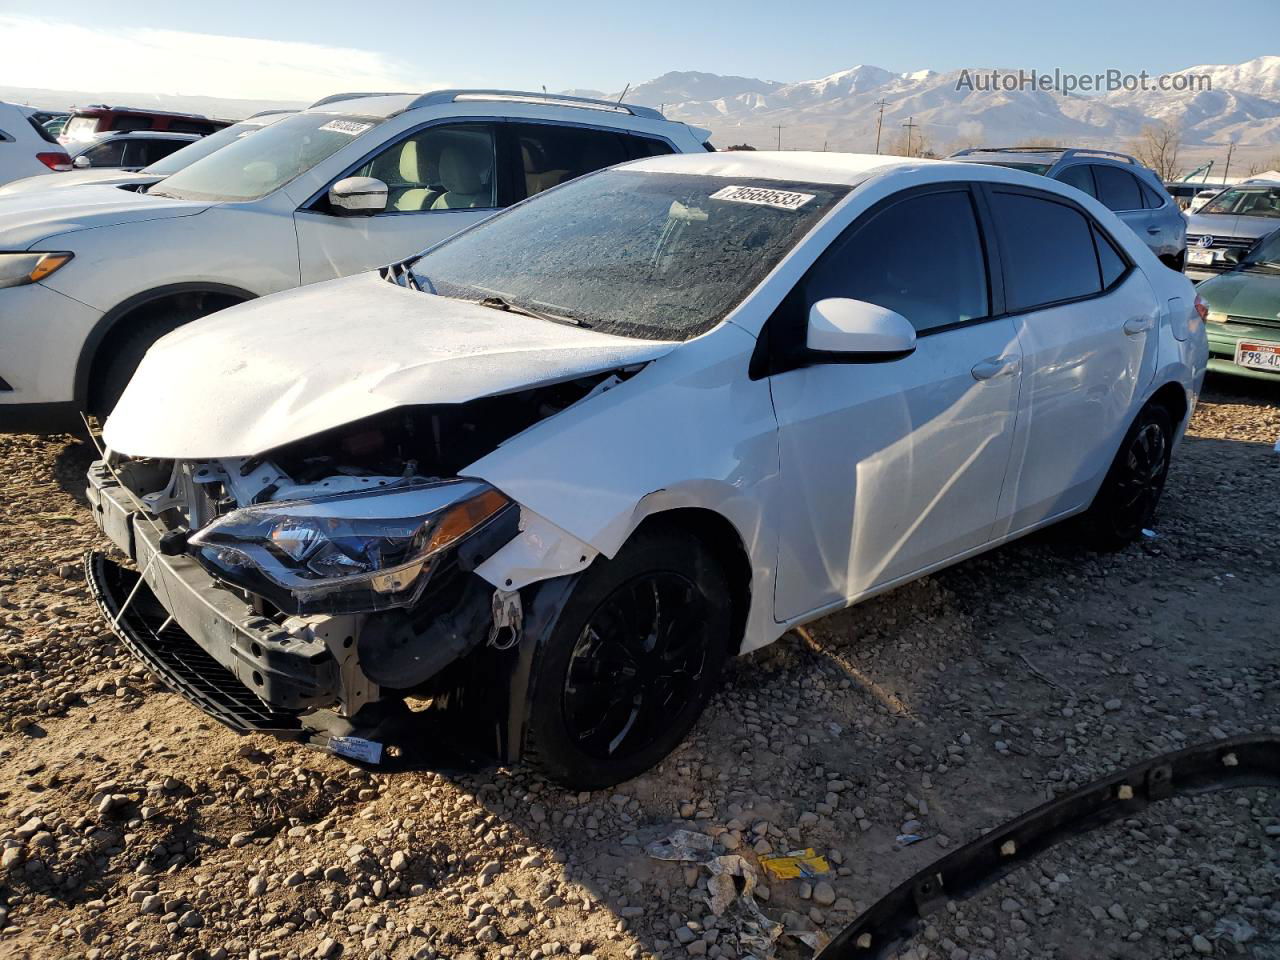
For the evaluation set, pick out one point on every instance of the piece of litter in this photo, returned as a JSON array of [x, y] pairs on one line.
[[907, 839], [356, 748], [1149, 534], [815, 940], [797, 863], [685, 845]]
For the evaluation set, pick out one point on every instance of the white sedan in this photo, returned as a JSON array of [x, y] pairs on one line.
[[551, 473]]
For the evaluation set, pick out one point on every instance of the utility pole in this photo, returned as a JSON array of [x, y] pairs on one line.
[[1227, 169], [778, 127], [880, 121], [910, 127]]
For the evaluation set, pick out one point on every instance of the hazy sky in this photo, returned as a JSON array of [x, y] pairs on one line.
[[256, 48]]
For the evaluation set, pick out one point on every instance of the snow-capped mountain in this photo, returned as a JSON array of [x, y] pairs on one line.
[[841, 110]]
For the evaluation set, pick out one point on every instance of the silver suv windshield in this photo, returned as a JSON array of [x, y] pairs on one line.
[[1246, 202], [252, 167], [201, 148], [656, 256]]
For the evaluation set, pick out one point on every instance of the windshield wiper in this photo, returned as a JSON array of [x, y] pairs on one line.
[[498, 303]]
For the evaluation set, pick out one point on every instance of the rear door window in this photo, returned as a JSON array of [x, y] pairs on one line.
[[142, 153], [1117, 189], [127, 121], [551, 154], [921, 257], [1046, 249], [1080, 177]]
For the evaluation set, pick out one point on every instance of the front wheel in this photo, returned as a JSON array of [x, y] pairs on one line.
[[1126, 503], [633, 659]]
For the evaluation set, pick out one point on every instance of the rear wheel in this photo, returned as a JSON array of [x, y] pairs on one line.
[[1126, 503], [631, 663]]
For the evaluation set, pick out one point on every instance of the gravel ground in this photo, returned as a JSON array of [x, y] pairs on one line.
[[132, 826]]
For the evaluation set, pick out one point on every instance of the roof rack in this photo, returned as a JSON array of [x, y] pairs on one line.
[[436, 97], [339, 97], [1064, 151]]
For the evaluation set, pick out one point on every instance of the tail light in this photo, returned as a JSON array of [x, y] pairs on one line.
[[55, 161], [1202, 308]]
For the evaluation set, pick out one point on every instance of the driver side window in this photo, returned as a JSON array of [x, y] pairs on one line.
[[921, 257], [439, 168]]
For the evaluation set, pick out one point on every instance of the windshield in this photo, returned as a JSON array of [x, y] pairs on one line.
[[199, 149], [80, 128], [1246, 201], [1266, 252], [656, 256], [251, 167]]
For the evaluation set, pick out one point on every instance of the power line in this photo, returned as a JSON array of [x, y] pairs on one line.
[[910, 127], [880, 121], [778, 127]]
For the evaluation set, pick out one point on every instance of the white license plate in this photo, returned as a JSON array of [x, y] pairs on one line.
[[1258, 354], [1200, 255]]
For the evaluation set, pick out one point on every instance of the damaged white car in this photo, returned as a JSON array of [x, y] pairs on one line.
[[541, 481]]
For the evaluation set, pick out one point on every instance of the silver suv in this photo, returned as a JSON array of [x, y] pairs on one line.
[[1116, 180]]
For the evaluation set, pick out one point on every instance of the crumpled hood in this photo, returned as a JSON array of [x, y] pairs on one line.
[[1244, 293], [268, 372], [27, 218]]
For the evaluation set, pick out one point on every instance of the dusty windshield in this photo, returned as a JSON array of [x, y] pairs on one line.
[[203, 147], [657, 256], [1246, 201], [1266, 253], [252, 167]]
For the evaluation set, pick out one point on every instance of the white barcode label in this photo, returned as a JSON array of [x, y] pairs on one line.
[[763, 196], [352, 128]]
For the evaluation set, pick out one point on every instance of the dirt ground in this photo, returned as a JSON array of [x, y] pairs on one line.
[[133, 826]]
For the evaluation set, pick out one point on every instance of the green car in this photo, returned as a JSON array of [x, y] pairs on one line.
[[1244, 313]]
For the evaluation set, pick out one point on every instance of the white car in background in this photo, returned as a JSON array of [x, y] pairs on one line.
[[199, 148], [551, 473], [91, 277], [27, 149]]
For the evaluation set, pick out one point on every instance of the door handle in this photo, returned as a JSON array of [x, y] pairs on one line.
[[1136, 325], [1153, 230], [993, 367]]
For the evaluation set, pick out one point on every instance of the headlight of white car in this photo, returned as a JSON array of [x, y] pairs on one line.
[[349, 553], [17, 269]]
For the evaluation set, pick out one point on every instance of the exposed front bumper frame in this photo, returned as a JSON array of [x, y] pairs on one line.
[[304, 663]]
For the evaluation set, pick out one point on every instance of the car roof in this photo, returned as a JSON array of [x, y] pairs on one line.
[[796, 165], [391, 104], [841, 169]]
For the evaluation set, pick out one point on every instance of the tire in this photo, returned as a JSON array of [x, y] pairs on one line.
[[127, 353], [635, 654], [1126, 502]]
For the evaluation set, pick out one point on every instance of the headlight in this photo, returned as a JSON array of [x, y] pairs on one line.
[[19, 268], [349, 553]]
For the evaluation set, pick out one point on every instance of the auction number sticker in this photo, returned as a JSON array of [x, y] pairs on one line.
[[352, 128], [781, 199]]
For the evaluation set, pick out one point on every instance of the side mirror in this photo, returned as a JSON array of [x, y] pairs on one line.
[[358, 197], [82, 162], [1232, 255], [854, 330]]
